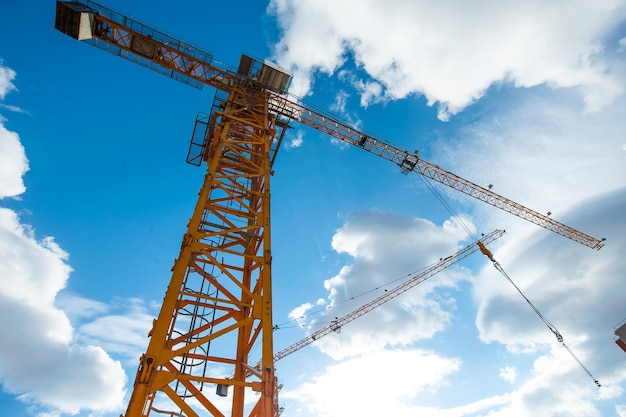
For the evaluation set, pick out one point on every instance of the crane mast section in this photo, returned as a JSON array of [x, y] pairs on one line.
[[217, 308], [410, 162], [389, 295]]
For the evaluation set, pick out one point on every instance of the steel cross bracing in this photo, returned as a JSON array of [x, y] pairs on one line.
[[218, 303], [389, 295]]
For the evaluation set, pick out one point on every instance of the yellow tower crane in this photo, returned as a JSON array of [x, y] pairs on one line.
[[218, 304]]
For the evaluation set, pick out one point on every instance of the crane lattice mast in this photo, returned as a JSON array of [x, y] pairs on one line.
[[218, 305]]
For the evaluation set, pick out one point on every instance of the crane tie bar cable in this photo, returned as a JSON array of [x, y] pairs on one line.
[[550, 326]]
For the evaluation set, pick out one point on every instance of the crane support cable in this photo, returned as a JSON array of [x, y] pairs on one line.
[[448, 207], [444, 263], [550, 326]]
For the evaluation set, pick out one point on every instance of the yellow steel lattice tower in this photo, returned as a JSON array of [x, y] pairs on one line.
[[218, 303]]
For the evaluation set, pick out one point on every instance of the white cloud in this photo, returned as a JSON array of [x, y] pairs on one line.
[[299, 313], [580, 292], [451, 51], [611, 392], [122, 331], [341, 98], [77, 307], [295, 141], [509, 374], [547, 156], [379, 383], [14, 109], [7, 75], [539, 151], [41, 361], [13, 162], [384, 247]]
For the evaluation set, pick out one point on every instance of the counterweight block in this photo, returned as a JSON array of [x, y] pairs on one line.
[[75, 20]]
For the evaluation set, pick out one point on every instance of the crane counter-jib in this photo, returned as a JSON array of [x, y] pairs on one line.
[[137, 42]]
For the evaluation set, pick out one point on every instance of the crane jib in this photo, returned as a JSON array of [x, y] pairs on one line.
[[135, 41], [411, 162]]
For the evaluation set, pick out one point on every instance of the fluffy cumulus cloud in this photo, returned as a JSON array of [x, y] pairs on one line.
[[542, 148], [40, 359], [378, 361], [557, 147], [451, 51], [13, 162], [7, 75], [541, 151], [509, 374], [382, 248], [294, 141], [547, 152], [122, 329], [351, 387], [577, 289]]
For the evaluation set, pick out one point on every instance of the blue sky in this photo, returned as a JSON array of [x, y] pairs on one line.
[[527, 96]]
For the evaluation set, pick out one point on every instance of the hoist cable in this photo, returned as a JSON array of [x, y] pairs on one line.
[[448, 207], [497, 265], [550, 326]]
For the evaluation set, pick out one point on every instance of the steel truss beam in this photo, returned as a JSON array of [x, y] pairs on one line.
[[218, 304]]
